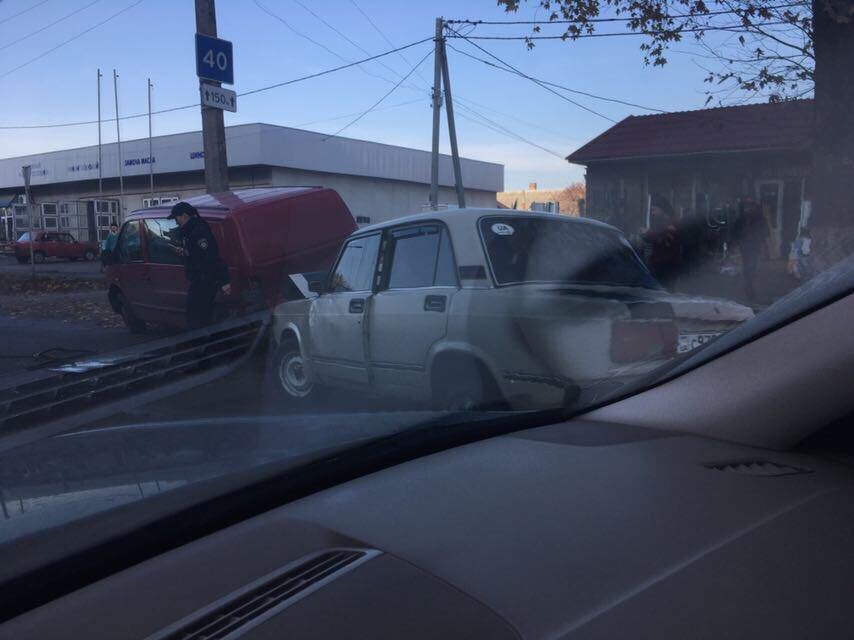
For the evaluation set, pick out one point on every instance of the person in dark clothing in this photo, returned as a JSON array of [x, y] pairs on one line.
[[751, 232], [663, 241], [203, 267]]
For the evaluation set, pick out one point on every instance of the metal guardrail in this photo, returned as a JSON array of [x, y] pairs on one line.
[[65, 397]]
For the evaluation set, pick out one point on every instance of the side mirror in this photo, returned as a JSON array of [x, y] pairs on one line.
[[315, 286]]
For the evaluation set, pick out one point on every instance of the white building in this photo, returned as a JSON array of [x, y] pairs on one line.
[[377, 181]]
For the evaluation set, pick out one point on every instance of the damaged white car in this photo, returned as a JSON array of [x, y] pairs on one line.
[[479, 308]]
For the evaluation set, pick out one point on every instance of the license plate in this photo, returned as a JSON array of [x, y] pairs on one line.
[[690, 341]]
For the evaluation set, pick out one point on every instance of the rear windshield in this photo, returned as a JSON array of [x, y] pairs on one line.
[[25, 237], [560, 250]]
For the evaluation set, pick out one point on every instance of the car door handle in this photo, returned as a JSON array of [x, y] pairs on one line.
[[435, 303], [357, 305]]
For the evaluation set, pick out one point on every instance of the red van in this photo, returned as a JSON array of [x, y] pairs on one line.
[[263, 235]]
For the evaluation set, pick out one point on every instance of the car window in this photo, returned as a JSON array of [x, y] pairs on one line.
[[163, 240], [562, 251], [24, 237], [67, 237], [129, 246], [355, 269], [421, 257]]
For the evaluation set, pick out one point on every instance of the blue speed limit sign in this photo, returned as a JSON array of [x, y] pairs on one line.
[[214, 59]]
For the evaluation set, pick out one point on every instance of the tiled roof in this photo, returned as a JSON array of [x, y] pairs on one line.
[[781, 125]]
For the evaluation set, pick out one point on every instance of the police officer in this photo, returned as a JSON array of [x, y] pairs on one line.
[[205, 270]]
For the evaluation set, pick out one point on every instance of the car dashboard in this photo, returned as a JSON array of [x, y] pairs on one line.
[[574, 530]]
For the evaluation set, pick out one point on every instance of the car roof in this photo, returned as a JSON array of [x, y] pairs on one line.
[[227, 201], [455, 216]]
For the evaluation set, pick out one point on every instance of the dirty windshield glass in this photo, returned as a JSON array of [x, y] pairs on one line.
[[212, 262], [541, 250]]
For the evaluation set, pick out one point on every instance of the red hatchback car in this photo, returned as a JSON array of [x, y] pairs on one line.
[[54, 244], [263, 235]]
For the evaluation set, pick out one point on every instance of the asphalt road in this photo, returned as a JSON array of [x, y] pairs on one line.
[[25, 338], [52, 266]]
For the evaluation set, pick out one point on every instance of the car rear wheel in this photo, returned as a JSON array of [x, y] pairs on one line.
[[38, 257], [134, 324], [290, 373], [89, 255], [463, 384]]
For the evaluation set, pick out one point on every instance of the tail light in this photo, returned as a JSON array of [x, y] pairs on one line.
[[637, 340]]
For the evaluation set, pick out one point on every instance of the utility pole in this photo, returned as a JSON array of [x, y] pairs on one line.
[[437, 106], [100, 163], [150, 156], [452, 130], [213, 125], [119, 147], [26, 172], [442, 77]]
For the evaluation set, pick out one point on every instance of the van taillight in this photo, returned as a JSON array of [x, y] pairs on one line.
[[637, 340]]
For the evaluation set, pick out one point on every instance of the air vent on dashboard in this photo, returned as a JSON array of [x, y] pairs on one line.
[[758, 468], [261, 600]]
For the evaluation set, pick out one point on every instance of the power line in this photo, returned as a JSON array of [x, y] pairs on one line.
[[245, 93], [342, 67], [378, 102], [48, 26], [315, 42], [559, 86], [348, 39], [71, 39], [511, 116], [534, 80], [20, 13], [384, 37], [350, 115], [677, 16], [620, 34], [504, 130]]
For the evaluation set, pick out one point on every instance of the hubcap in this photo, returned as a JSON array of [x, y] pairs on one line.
[[292, 375]]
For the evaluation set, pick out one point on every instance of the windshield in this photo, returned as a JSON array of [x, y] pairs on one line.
[[243, 265], [558, 251]]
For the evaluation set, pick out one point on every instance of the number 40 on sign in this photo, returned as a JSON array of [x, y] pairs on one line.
[[214, 59]]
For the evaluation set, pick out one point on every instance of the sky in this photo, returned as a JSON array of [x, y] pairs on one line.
[[46, 80]]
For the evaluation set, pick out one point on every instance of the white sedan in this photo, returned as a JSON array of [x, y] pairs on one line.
[[480, 307]]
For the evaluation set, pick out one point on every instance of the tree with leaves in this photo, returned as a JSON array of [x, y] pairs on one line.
[[773, 49]]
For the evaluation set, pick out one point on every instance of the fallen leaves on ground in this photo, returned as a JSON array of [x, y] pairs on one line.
[[11, 284]]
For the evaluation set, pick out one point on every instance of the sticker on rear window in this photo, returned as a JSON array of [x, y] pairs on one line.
[[501, 229]]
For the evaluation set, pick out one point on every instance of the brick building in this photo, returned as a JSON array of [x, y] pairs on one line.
[[700, 163]]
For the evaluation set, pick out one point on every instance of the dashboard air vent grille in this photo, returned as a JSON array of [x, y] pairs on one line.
[[237, 612], [758, 468]]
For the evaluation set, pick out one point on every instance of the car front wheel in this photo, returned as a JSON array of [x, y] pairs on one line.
[[134, 324], [290, 373], [89, 255]]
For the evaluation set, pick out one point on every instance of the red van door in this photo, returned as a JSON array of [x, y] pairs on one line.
[[130, 272], [168, 286]]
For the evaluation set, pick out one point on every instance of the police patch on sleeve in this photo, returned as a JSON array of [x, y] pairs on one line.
[[203, 243]]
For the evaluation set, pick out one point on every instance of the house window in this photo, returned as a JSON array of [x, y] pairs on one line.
[[363, 220], [64, 222], [50, 222], [49, 209], [103, 221]]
